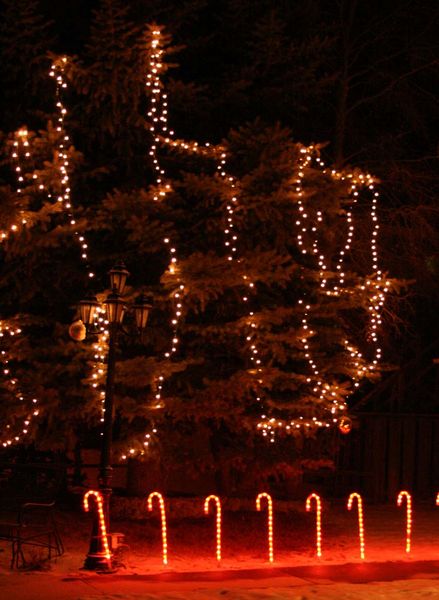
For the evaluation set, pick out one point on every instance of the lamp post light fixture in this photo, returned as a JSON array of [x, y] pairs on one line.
[[97, 559]]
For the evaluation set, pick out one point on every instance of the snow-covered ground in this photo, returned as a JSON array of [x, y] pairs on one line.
[[245, 574]]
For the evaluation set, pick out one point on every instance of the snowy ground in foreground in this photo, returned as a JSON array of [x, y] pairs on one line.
[[245, 574]]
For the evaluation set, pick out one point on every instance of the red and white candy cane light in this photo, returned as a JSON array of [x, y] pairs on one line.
[[163, 521]]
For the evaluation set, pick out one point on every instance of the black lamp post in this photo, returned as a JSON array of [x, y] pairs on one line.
[[97, 558]]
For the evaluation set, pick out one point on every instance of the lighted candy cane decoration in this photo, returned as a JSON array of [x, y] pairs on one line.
[[408, 498], [270, 521], [218, 522], [101, 519], [163, 520], [316, 497], [360, 519]]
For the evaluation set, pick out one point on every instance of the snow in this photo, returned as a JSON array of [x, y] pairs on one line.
[[245, 574]]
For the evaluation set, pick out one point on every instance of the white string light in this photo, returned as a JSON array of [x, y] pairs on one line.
[[20, 147], [360, 183], [62, 192], [100, 347], [325, 391], [328, 395], [158, 117], [12, 435], [64, 197], [230, 243]]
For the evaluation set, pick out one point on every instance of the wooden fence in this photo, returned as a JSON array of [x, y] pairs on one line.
[[388, 453]]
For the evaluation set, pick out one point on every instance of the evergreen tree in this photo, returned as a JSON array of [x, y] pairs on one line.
[[43, 277], [253, 308], [110, 84], [262, 349], [40, 271]]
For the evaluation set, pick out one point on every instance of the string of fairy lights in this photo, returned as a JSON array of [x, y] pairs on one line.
[[162, 135], [10, 434], [158, 114], [308, 222], [21, 154], [230, 243], [377, 281], [63, 196], [158, 127], [308, 228], [57, 71], [17, 433], [268, 425], [323, 389], [329, 395], [100, 346]]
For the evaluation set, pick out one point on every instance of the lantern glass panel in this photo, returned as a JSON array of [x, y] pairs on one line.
[[141, 311], [118, 278], [115, 309], [87, 309]]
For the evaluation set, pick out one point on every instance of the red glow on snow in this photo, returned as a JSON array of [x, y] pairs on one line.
[[408, 498], [101, 518], [316, 497], [270, 521], [217, 501], [352, 497], [163, 520]]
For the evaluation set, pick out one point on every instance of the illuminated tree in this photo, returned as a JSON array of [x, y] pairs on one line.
[[281, 330], [44, 369], [266, 314]]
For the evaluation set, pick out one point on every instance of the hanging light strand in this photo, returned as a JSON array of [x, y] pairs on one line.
[[158, 127], [57, 71], [248, 290], [100, 347], [328, 395], [20, 154], [16, 434], [22, 148]]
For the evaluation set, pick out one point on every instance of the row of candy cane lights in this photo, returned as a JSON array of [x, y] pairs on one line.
[[403, 495]]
